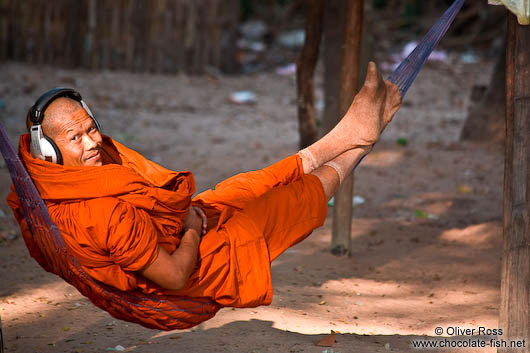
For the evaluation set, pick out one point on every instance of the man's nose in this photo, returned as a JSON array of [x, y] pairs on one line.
[[90, 143]]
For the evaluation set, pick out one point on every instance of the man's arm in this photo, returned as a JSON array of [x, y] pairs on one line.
[[172, 271]]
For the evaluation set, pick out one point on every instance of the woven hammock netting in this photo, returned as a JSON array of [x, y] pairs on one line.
[[153, 311]]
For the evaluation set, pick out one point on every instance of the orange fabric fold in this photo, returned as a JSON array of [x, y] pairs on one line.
[[113, 217]]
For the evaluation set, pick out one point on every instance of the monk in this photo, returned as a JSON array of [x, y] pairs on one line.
[[135, 225]]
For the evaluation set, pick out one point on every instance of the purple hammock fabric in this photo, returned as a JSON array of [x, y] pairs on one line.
[[120, 304], [409, 68]]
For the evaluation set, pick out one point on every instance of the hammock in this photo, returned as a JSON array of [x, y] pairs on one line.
[[153, 311], [50, 251]]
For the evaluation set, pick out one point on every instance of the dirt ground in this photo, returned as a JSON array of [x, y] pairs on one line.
[[426, 240]]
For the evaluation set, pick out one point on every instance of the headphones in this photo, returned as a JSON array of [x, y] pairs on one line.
[[42, 146]]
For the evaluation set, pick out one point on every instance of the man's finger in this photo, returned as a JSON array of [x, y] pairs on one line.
[[204, 218], [201, 213]]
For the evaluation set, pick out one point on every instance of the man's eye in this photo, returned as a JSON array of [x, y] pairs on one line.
[[75, 138]]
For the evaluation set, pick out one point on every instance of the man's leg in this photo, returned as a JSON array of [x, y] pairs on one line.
[[235, 257], [287, 214], [334, 172], [242, 188], [371, 110]]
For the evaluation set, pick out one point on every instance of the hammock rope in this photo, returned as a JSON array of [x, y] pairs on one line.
[[163, 312], [411, 66]]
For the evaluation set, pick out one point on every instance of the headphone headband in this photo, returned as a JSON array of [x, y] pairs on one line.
[[36, 113]]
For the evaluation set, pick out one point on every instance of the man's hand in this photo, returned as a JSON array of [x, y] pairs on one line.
[[196, 220]]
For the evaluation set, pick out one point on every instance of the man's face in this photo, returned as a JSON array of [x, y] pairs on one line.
[[78, 139]]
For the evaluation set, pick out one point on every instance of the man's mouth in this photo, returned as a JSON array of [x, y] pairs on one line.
[[93, 156]]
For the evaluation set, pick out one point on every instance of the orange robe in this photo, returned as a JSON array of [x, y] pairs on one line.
[[114, 217]]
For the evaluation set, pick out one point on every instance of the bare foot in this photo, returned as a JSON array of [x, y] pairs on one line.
[[372, 109], [393, 102]]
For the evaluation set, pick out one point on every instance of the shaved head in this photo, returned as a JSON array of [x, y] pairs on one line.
[[73, 131], [60, 109]]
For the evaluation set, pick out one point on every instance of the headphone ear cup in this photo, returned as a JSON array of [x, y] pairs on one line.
[[29, 123], [89, 112], [50, 150]]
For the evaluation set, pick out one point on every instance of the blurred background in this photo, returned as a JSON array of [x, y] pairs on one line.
[[233, 36], [210, 86]]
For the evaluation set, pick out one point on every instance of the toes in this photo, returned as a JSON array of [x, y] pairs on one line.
[[374, 80], [371, 75], [372, 69]]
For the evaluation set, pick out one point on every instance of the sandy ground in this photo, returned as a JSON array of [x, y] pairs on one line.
[[426, 241]]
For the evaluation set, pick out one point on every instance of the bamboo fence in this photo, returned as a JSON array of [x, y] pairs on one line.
[[136, 35]]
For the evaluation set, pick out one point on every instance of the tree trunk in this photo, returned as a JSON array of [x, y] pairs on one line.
[[305, 68], [231, 15], [485, 119], [349, 78], [333, 37]]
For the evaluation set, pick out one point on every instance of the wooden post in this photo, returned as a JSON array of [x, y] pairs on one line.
[[332, 37], [515, 283], [305, 68], [351, 55]]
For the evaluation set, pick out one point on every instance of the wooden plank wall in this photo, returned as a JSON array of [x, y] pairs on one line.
[[136, 35]]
